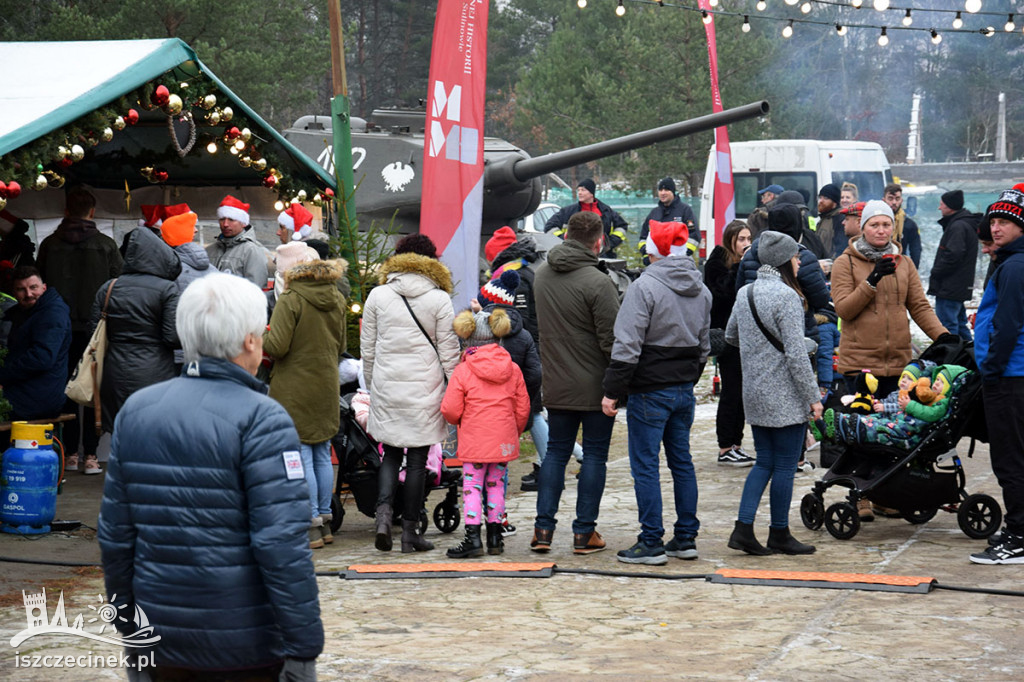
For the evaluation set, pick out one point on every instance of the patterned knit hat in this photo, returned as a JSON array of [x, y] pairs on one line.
[[501, 290], [481, 328], [1009, 205]]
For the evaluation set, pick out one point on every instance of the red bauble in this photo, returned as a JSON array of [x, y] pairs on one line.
[[160, 175], [160, 95], [13, 190], [65, 162], [232, 133], [3, 189], [132, 117], [269, 181], [329, 192]]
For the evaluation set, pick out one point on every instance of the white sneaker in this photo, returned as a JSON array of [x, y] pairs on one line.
[[92, 465], [71, 463]]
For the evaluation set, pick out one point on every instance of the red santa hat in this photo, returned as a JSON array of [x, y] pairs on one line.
[[667, 239], [297, 219], [152, 215], [233, 209]]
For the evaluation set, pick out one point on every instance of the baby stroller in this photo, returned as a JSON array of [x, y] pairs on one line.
[[358, 467], [918, 482]]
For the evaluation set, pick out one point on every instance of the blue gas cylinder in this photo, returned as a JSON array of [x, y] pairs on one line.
[[28, 480]]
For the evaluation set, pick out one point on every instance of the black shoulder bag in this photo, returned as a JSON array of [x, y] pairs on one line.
[[427, 336], [772, 339]]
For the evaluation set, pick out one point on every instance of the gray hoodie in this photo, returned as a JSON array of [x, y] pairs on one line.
[[778, 389], [661, 331]]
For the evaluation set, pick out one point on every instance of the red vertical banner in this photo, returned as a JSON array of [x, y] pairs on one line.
[[725, 203], [453, 148]]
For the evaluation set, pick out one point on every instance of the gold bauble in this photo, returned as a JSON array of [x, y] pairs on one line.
[[146, 171], [63, 152], [259, 164], [226, 114], [119, 123], [276, 173], [3, 203], [53, 179], [174, 105], [40, 183], [302, 195], [92, 141], [107, 135], [318, 200], [209, 102], [214, 117], [77, 153], [246, 134], [245, 162]]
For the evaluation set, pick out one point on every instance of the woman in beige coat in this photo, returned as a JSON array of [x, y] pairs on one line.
[[409, 350]]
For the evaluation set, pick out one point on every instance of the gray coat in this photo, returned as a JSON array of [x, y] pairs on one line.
[[778, 390], [240, 255], [195, 263]]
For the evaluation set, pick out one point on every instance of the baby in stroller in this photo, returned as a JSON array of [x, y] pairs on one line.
[[918, 404]]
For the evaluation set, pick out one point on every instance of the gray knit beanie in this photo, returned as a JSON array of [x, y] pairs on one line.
[[776, 248]]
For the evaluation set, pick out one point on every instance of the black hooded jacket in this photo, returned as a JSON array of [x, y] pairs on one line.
[[525, 252], [141, 328]]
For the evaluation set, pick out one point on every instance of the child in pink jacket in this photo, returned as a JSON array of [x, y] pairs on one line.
[[487, 400]]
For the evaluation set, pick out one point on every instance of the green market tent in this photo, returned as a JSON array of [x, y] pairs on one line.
[[57, 83]]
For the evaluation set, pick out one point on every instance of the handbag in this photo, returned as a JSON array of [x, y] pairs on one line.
[[84, 385], [718, 342]]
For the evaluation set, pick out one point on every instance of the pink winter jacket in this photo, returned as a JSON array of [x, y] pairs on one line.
[[487, 400]]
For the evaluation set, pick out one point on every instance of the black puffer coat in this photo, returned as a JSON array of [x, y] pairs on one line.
[[952, 275], [523, 350], [140, 322], [520, 257]]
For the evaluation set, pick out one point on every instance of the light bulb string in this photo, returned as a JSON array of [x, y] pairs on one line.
[[831, 23], [894, 8]]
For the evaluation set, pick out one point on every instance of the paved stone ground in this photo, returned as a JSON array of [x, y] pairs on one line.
[[575, 626]]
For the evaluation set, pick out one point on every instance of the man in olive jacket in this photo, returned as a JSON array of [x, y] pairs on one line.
[[576, 308]]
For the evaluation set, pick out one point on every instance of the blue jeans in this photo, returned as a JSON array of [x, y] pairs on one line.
[[539, 434], [778, 450], [828, 339], [666, 414], [597, 434], [316, 463], [953, 316]]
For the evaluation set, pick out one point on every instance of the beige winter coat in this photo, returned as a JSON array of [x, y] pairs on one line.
[[404, 373]]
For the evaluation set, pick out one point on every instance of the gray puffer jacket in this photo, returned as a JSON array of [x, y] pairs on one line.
[[240, 255], [778, 389], [194, 264]]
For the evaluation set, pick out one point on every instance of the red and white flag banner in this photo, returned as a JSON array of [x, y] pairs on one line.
[[725, 203], [453, 150]]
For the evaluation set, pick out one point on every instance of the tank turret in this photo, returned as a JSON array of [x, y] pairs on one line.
[[387, 158]]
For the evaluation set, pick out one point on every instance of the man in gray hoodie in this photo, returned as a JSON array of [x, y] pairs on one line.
[[661, 344]]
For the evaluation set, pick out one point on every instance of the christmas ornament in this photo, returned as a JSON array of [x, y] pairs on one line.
[[318, 200], [174, 105], [232, 133], [302, 195], [259, 164], [246, 134], [160, 175], [268, 181], [3, 203], [119, 123], [226, 113], [92, 141], [63, 152], [107, 135], [160, 96], [3, 189], [213, 117], [182, 151], [329, 192], [132, 118], [40, 183], [13, 190], [209, 102], [65, 163], [245, 162], [77, 153], [53, 179], [146, 172]]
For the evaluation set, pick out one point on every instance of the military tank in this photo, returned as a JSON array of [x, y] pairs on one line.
[[387, 159]]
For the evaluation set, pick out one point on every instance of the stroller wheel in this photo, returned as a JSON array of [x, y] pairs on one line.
[[446, 517], [979, 516], [337, 513], [842, 521], [919, 515], [812, 511]]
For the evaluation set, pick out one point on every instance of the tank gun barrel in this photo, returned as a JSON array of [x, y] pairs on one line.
[[526, 169]]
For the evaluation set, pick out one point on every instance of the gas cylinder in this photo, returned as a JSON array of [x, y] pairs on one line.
[[28, 480]]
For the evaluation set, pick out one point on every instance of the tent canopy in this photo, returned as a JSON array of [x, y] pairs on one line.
[[37, 99]]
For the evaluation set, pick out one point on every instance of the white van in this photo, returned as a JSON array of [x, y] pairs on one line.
[[801, 165]]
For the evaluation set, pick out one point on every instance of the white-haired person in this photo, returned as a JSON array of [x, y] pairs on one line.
[[205, 505]]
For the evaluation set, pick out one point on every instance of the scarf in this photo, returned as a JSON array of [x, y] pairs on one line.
[[872, 253]]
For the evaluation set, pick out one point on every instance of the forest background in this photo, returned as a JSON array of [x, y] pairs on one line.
[[560, 76]]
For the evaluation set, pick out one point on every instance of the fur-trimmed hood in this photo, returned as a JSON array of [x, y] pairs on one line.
[[317, 271], [394, 269]]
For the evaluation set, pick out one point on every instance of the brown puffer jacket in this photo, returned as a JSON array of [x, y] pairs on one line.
[[875, 332]]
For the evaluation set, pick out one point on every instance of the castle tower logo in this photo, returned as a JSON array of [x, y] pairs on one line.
[[102, 618]]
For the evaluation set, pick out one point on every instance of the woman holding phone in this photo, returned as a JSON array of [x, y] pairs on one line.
[[873, 289]]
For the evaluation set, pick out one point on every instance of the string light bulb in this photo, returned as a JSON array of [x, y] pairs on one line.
[[705, 17], [761, 5], [972, 6], [883, 39], [713, 3], [880, 5], [840, 29], [788, 31], [746, 24], [1009, 24], [791, 2], [958, 22], [936, 37], [805, 8], [582, 4], [907, 19], [856, 4], [988, 31], [211, 148], [621, 9]]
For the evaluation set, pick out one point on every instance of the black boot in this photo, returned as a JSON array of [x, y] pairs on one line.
[[495, 544], [412, 541], [470, 545], [782, 542], [743, 539], [383, 520]]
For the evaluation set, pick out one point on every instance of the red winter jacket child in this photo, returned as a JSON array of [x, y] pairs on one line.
[[487, 400]]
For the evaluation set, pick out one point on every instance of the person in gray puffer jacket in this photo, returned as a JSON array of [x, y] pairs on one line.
[[179, 231], [779, 390]]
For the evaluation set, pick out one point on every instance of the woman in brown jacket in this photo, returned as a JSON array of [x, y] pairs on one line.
[[873, 289]]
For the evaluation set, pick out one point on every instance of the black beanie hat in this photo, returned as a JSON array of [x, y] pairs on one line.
[[588, 184], [667, 183], [954, 199], [831, 192], [1009, 205]]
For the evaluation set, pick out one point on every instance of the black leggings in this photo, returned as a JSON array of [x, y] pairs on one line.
[[415, 479]]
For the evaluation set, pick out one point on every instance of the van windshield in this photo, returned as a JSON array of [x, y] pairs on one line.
[[870, 184], [746, 186]]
